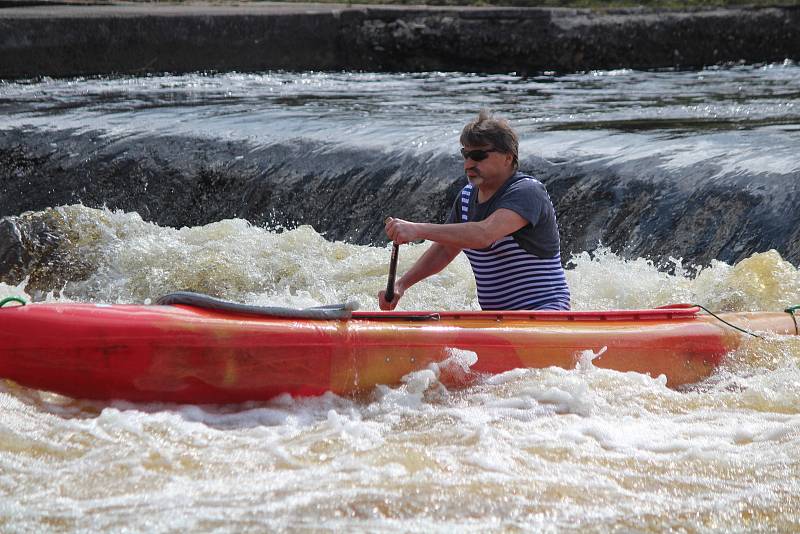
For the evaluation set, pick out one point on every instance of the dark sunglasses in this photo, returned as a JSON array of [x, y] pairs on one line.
[[477, 155]]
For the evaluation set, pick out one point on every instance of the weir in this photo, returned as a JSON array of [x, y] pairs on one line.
[[698, 165], [345, 192]]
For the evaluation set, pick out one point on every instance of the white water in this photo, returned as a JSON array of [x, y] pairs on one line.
[[529, 450]]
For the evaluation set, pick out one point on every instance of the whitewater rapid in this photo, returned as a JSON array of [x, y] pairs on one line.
[[585, 449]]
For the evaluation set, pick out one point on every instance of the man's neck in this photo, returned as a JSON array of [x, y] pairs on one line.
[[487, 189]]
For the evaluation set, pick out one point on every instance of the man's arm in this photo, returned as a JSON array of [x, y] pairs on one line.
[[436, 258], [475, 235], [448, 241]]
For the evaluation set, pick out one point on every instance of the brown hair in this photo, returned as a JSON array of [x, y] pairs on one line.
[[488, 130]]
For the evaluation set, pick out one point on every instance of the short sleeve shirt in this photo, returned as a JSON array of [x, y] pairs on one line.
[[527, 197]]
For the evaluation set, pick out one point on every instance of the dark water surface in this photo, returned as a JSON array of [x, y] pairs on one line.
[[420, 109]]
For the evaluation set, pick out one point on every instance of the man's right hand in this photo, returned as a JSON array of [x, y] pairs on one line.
[[400, 231]]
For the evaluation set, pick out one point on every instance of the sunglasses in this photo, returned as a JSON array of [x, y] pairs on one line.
[[477, 155]]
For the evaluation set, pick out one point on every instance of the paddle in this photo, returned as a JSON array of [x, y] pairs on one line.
[[389, 296]]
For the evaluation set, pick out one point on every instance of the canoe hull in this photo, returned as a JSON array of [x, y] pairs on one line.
[[189, 355]]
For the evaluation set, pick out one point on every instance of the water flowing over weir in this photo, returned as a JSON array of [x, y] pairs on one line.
[[270, 189], [699, 166]]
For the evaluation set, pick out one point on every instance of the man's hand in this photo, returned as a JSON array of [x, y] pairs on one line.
[[476, 235], [402, 232], [384, 304], [436, 258]]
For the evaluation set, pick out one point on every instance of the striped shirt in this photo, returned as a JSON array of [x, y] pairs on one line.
[[509, 277]]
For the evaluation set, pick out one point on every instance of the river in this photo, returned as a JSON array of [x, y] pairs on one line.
[[547, 450]]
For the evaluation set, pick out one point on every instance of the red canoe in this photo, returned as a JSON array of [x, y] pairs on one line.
[[189, 354]]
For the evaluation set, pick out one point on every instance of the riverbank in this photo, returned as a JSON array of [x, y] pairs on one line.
[[70, 40]]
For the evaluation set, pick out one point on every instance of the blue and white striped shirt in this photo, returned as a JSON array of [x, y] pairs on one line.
[[508, 276]]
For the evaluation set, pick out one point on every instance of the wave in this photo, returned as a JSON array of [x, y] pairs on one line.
[[81, 253], [639, 206]]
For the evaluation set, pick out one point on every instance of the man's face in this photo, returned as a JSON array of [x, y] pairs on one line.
[[483, 164]]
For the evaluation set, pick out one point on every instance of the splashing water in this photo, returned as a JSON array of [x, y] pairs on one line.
[[132, 260], [602, 280], [530, 449]]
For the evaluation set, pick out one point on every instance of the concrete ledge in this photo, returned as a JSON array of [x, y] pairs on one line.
[[85, 40]]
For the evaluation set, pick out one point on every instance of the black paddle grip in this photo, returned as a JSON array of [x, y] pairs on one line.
[[392, 273]]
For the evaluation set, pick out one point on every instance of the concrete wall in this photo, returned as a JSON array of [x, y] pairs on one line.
[[77, 40]]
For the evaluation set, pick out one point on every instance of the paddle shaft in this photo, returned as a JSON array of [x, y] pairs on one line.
[[392, 273]]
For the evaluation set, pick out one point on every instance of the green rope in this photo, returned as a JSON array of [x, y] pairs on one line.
[[11, 299], [720, 319], [791, 311]]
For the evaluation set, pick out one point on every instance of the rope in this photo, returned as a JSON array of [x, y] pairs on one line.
[[791, 311], [11, 299], [720, 319]]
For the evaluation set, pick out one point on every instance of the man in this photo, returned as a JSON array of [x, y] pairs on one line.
[[504, 222]]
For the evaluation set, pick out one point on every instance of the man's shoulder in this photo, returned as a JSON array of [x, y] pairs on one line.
[[524, 179], [522, 182]]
